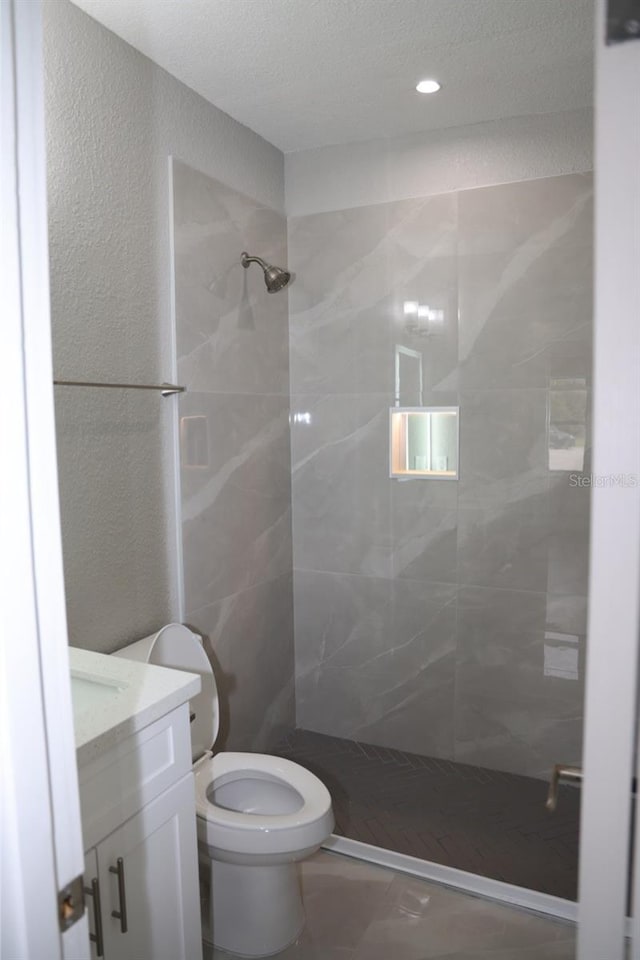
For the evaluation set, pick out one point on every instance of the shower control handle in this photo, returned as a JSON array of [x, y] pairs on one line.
[[561, 771]]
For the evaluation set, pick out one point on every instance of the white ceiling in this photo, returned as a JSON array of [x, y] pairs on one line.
[[306, 73]]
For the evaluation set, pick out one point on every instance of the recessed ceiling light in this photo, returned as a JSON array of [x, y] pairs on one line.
[[428, 86]]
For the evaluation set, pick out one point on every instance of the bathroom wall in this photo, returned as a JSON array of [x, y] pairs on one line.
[[446, 618], [113, 121], [441, 617], [438, 161], [233, 357]]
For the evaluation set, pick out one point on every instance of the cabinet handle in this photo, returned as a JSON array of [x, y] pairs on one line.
[[94, 893], [121, 914]]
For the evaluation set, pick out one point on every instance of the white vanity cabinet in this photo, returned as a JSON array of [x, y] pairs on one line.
[[144, 876], [139, 825]]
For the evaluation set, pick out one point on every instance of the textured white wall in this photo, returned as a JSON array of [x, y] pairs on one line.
[[460, 158], [113, 119]]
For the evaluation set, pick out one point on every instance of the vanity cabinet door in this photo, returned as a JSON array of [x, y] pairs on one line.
[[149, 881], [93, 904]]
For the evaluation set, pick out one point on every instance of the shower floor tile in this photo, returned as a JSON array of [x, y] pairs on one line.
[[484, 821]]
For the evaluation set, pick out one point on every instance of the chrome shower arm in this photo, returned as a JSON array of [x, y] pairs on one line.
[[245, 260]]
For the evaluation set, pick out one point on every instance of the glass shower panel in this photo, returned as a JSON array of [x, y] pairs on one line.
[[440, 627]]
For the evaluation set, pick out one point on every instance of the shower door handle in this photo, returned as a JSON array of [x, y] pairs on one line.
[[561, 772]]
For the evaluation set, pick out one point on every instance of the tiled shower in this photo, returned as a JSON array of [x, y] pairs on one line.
[[232, 348], [444, 618], [426, 630]]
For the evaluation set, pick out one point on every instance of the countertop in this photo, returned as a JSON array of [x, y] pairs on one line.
[[128, 696]]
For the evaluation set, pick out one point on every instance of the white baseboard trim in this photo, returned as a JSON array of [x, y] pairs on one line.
[[458, 879]]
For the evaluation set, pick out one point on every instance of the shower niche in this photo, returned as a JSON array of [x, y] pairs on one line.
[[424, 442]]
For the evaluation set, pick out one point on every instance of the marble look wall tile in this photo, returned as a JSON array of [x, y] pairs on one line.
[[340, 483], [249, 637], [525, 282], [513, 262], [525, 316], [503, 446], [435, 337], [236, 495], [424, 524], [231, 335], [375, 660], [232, 345], [554, 211], [505, 545], [339, 328], [354, 271], [568, 566], [519, 692], [567, 614]]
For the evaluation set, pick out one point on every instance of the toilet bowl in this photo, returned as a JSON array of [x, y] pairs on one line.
[[256, 816]]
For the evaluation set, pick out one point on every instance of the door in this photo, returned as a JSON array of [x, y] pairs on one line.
[[150, 886], [612, 665], [41, 837]]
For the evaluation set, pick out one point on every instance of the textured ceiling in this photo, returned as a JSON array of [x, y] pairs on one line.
[[306, 73]]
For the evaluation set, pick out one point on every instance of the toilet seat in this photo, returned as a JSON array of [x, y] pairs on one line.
[[252, 833]]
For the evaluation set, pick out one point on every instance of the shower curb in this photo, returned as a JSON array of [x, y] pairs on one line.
[[533, 900]]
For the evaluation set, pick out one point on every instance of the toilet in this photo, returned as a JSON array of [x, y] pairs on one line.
[[256, 816]]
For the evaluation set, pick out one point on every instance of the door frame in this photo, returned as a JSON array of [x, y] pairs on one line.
[[40, 813], [614, 583], [42, 842]]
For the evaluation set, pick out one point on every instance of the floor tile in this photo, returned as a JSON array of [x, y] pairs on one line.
[[424, 921], [359, 911], [342, 896]]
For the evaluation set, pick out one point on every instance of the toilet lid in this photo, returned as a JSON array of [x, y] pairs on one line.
[[178, 647]]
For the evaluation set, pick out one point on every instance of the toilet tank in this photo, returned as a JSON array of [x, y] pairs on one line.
[[177, 647]]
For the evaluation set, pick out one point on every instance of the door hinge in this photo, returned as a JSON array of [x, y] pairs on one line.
[[71, 903], [623, 20]]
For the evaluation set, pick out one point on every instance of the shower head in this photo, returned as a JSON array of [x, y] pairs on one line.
[[275, 277]]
